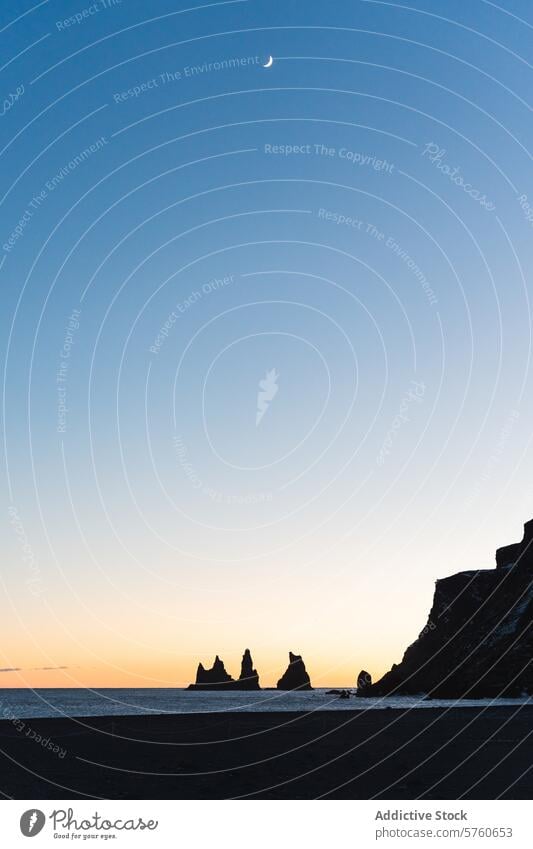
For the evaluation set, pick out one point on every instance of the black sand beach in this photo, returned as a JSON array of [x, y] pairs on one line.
[[468, 753]]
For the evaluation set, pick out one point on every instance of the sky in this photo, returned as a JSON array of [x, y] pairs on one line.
[[265, 331]]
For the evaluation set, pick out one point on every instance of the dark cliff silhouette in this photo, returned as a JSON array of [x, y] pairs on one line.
[[295, 677], [217, 678], [478, 640]]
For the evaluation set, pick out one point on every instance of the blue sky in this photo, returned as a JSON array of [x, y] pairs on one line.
[[179, 221]]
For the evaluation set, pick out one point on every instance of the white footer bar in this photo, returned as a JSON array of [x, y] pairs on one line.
[[266, 824]]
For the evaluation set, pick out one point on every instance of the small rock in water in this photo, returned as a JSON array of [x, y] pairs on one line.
[[364, 681]]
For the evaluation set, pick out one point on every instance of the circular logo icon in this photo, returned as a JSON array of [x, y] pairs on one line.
[[32, 822]]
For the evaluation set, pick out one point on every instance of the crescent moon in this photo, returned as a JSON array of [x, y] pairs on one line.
[[269, 62]]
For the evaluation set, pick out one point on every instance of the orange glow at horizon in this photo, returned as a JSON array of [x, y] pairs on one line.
[[181, 673], [342, 617]]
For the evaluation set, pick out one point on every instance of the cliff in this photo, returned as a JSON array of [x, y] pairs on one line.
[[478, 639]]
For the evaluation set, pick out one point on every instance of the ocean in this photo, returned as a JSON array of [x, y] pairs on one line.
[[27, 703]]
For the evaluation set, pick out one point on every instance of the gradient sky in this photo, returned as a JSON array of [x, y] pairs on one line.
[[354, 217]]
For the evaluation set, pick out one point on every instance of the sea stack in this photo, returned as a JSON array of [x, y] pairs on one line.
[[215, 678], [248, 679], [295, 676], [478, 639], [364, 680]]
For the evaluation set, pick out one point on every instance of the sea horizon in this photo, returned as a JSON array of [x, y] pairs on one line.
[[82, 702]]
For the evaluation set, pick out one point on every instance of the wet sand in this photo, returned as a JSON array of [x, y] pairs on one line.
[[395, 754]]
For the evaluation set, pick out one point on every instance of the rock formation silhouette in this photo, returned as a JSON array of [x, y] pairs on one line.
[[217, 678], [295, 677], [478, 640], [517, 552], [248, 679], [364, 680]]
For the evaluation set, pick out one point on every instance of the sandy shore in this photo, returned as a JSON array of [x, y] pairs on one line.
[[432, 754]]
